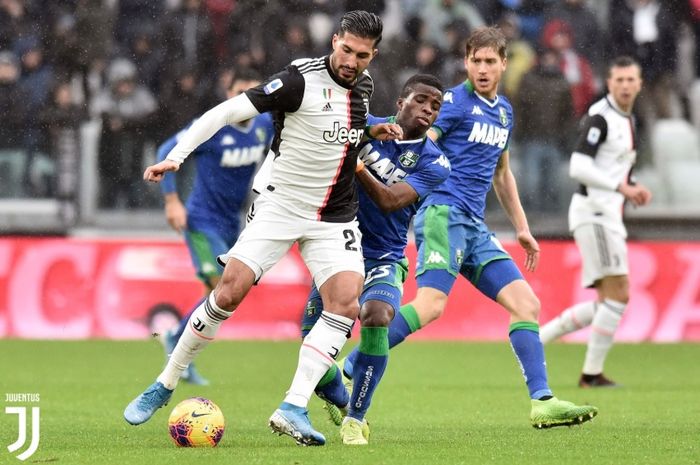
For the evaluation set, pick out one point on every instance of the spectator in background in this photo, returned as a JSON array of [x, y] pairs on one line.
[[437, 14], [588, 37], [558, 36], [297, 44], [132, 15], [544, 119], [181, 100], [149, 59], [14, 113], [94, 25], [453, 72], [35, 81], [521, 55], [15, 22], [60, 121], [646, 30], [127, 111], [188, 37]]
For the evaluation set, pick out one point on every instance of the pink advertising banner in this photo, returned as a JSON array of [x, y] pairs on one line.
[[58, 288]]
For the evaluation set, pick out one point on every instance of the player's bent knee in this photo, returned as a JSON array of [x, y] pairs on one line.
[[375, 314]]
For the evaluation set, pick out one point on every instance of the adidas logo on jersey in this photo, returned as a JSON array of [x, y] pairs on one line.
[[327, 107], [477, 111], [435, 257]]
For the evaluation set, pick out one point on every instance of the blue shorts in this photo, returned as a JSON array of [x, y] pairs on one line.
[[451, 242], [383, 281], [205, 244]]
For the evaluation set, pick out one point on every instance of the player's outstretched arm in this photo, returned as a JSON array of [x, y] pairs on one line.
[[387, 198], [234, 110], [507, 192], [155, 173]]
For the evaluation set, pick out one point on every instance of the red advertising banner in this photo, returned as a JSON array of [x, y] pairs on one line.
[[125, 289]]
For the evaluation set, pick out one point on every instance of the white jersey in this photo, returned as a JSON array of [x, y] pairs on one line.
[[609, 138], [319, 123]]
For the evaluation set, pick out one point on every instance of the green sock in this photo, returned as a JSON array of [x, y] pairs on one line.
[[328, 377], [374, 340]]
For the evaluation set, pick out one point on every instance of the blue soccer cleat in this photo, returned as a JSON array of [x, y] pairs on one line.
[[294, 421], [141, 409]]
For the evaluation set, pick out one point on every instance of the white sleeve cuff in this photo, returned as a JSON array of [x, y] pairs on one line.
[[234, 110]]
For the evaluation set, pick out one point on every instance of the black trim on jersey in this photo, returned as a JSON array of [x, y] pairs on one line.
[[583, 144], [285, 99], [342, 202]]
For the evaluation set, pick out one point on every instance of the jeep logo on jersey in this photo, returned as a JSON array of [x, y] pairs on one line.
[[343, 135], [408, 159], [489, 134], [503, 116]]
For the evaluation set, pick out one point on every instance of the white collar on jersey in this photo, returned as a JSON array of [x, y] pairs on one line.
[[615, 106], [487, 101], [414, 141]]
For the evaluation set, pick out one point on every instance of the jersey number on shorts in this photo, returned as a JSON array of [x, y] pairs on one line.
[[381, 271], [349, 234]]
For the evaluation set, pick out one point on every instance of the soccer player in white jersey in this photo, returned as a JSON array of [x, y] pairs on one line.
[[602, 163], [320, 110]]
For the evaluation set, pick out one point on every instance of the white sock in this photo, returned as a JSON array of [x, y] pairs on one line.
[[320, 347], [605, 322], [201, 329], [570, 320]]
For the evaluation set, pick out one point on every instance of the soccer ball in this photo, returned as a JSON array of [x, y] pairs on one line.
[[196, 422]]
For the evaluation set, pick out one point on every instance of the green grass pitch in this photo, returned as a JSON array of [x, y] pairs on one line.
[[439, 403]]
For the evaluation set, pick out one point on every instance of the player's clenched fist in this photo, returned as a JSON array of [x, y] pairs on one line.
[[154, 173]]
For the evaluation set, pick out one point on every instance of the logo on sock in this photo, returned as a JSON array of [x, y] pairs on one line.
[[365, 387], [198, 325], [333, 355]]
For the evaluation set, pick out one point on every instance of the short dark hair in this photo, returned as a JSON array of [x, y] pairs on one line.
[[487, 37], [427, 79], [623, 62], [362, 24], [245, 74]]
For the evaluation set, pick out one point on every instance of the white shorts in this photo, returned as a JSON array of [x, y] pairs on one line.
[[327, 248], [603, 253]]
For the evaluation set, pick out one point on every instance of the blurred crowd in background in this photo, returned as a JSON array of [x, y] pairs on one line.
[[138, 71]]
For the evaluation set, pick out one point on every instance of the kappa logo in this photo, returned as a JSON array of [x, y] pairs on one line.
[[442, 161], [435, 257], [21, 413], [477, 111], [447, 97]]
